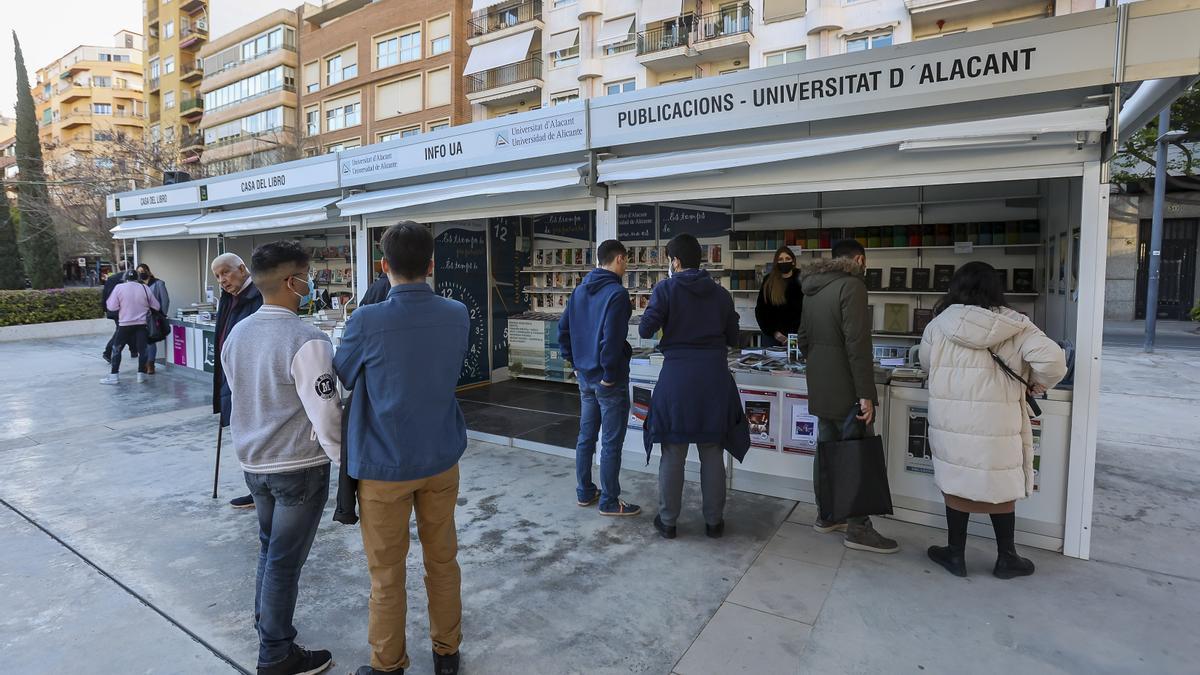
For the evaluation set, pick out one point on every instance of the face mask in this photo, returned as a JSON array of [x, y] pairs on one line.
[[307, 297], [785, 267], [144, 276]]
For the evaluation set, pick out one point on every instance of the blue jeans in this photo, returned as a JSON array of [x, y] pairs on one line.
[[289, 507], [604, 413]]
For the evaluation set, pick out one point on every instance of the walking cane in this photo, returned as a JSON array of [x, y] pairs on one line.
[[217, 469]]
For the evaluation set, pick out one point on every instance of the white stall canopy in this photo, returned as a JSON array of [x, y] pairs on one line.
[[660, 10], [502, 52], [166, 226], [531, 180], [264, 218], [614, 31]]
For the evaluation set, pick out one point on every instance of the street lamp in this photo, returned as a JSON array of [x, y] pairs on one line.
[[1165, 137]]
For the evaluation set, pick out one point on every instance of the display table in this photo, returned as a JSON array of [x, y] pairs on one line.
[[784, 439], [192, 344]]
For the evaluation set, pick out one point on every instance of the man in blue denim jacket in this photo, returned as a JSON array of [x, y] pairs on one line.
[[591, 334], [406, 433]]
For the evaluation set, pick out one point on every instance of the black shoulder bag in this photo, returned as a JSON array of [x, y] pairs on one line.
[[157, 326], [1037, 410]]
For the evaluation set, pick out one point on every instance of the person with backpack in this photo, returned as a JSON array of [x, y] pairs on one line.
[[158, 288], [119, 276]]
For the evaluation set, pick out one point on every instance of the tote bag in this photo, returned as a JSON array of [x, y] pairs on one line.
[[852, 474]]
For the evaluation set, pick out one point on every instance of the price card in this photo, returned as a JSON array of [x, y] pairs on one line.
[[964, 247]]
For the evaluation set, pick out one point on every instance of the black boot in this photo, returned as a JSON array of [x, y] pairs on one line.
[[1009, 564], [955, 561], [445, 664], [953, 556]]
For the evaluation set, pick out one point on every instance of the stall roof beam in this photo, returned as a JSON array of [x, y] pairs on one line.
[[149, 228], [264, 218]]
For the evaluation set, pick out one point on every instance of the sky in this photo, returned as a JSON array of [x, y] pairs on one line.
[[48, 29]]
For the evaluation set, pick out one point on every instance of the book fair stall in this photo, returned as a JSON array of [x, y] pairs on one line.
[[988, 145]]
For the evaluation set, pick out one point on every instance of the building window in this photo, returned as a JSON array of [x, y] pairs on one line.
[[564, 3], [344, 145], [399, 98], [100, 81], [620, 87], [564, 97], [275, 79], [389, 136], [168, 100], [258, 124], [168, 65], [396, 49], [439, 35], [627, 45], [102, 162], [154, 69], [312, 121], [312, 77], [861, 44], [106, 108], [566, 57], [794, 55], [438, 124], [168, 30], [102, 135], [342, 67], [437, 88], [342, 115]]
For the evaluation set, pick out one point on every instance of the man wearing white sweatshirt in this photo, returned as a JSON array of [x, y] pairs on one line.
[[286, 425]]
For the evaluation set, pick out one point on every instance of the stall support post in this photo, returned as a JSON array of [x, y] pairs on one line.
[[1156, 228], [1089, 339], [606, 219], [364, 272]]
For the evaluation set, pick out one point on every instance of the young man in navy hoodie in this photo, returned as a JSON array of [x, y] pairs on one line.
[[591, 334]]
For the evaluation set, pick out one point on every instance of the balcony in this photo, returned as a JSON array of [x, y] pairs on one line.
[[926, 13], [155, 84], [691, 40], [191, 36], [191, 71], [125, 118], [333, 9], [193, 6], [191, 108], [244, 144], [74, 91], [155, 116], [76, 118], [152, 46], [506, 84], [191, 146], [152, 14], [498, 21]]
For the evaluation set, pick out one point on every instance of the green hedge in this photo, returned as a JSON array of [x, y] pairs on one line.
[[18, 308]]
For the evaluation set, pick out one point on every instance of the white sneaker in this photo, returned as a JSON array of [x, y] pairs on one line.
[[141, 378], [111, 379]]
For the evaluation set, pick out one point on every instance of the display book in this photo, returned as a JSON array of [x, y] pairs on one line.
[[332, 264], [998, 233]]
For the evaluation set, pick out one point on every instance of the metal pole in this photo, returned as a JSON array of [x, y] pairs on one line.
[[1156, 228], [217, 468]]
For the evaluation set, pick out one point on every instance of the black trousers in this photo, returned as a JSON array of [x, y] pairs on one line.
[[135, 338], [108, 348]]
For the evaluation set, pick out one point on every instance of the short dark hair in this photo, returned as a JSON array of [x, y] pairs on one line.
[[847, 248], [975, 284], [408, 248], [686, 249], [271, 256], [608, 251]]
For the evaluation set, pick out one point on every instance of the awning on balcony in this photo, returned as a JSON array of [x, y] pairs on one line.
[[530, 180], [271, 217], [563, 40], [615, 31], [660, 10], [147, 228], [502, 52], [480, 5]]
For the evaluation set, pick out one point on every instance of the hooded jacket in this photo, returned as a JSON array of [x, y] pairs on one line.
[[695, 399], [835, 337], [592, 330], [979, 428]]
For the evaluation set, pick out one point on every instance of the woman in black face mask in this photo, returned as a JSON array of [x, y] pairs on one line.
[[780, 300], [159, 289]]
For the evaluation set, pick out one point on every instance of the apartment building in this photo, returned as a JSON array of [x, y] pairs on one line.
[[249, 97], [373, 71], [531, 53], [176, 30], [89, 96]]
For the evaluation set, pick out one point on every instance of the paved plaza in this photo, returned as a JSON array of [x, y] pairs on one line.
[[114, 558]]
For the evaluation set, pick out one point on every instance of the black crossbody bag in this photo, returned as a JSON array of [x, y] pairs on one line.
[[1037, 410]]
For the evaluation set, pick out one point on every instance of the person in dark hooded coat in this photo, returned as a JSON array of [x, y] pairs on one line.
[[695, 399]]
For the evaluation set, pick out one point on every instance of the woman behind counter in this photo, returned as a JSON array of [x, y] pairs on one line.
[[979, 428], [780, 300]]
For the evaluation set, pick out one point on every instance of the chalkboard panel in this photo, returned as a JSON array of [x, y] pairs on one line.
[[508, 297], [571, 225], [460, 273], [636, 222], [700, 224]]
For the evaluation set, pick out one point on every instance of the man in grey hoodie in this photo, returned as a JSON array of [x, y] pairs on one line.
[[286, 425]]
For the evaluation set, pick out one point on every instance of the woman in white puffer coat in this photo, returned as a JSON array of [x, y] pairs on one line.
[[979, 428]]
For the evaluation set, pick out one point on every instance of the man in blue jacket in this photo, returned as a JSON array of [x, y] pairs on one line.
[[591, 334], [405, 435]]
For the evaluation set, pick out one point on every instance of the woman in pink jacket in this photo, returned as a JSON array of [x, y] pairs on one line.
[[132, 301]]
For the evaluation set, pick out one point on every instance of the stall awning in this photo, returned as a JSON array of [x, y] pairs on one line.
[[615, 31], [660, 10], [502, 52], [532, 180], [1055, 127], [167, 226], [563, 40], [270, 217]]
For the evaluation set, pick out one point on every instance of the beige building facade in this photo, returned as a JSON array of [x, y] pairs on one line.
[[176, 30]]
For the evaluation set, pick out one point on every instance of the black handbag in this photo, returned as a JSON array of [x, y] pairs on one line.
[[852, 474], [157, 326], [1029, 399]]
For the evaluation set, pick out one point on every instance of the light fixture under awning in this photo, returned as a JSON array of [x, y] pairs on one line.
[[1065, 125], [563, 40], [660, 10], [502, 52], [531, 180], [270, 217], [167, 226], [615, 31]]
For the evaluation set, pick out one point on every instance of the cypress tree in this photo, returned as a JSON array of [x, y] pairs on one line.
[[11, 276], [38, 240]]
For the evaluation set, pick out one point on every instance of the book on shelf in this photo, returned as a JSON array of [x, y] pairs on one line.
[[1023, 281], [1030, 232], [921, 318], [874, 279], [873, 237], [898, 279], [928, 235], [1012, 233], [943, 234], [895, 318], [942, 274], [914, 235], [920, 279], [899, 235]]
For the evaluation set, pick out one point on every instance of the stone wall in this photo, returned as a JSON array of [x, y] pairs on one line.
[[1120, 282]]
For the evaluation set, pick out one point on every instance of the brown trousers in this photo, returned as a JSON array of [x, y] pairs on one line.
[[385, 507]]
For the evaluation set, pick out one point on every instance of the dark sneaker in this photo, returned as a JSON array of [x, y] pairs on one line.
[[954, 561], [865, 538], [621, 509], [1009, 565], [594, 498], [300, 661], [246, 502], [715, 531], [665, 531], [445, 664], [825, 527], [368, 670]]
